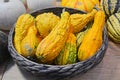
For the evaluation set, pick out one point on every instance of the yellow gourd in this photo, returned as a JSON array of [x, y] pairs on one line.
[[46, 22], [78, 21], [29, 43], [24, 22], [50, 47], [86, 5], [92, 40]]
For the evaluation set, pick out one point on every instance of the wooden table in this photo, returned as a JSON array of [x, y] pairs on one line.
[[108, 69]]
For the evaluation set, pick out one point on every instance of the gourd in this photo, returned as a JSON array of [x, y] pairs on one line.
[[80, 4], [78, 21], [68, 54], [110, 7], [113, 27], [4, 54], [80, 36], [24, 22], [30, 42], [46, 22], [9, 12], [92, 40], [50, 47]]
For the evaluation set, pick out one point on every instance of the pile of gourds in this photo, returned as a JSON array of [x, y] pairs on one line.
[[51, 39], [111, 9]]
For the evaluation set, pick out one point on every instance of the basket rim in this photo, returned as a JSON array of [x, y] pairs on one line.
[[10, 44], [54, 7]]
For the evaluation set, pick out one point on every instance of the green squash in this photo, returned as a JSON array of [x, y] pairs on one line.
[[68, 54], [110, 6]]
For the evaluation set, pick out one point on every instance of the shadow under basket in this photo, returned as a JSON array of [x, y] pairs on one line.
[[56, 72]]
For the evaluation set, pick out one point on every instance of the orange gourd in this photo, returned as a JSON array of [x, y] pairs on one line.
[[92, 40], [86, 5]]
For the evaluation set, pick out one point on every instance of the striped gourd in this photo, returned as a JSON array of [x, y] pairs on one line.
[[80, 4], [113, 27], [92, 40], [24, 22], [50, 47], [68, 53], [110, 6]]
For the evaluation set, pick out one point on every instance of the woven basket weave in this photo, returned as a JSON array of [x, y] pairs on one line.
[[56, 72]]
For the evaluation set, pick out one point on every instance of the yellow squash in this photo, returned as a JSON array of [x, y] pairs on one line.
[[78, 21], [92, 40], [23, 23], [50, 47], [46, 22], [30, 42]]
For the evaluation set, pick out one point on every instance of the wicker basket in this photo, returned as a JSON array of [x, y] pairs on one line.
[[56, 72]]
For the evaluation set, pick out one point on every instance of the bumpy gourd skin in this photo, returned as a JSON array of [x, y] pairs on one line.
[[92, 40], [30, 42], [23, 23], [68, 54], [46, 22], [78, 21], [50, 47]]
